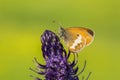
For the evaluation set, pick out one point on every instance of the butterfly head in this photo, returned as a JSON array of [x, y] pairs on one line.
[[62, 32]]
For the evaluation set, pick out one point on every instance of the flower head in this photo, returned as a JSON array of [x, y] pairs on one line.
[[57, 66]]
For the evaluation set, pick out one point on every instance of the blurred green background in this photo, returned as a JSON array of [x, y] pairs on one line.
[[22, 22]]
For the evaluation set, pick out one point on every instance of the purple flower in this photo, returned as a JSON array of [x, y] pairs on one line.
[[57, 66]]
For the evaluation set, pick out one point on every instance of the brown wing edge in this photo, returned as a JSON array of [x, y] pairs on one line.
[[90, 32]]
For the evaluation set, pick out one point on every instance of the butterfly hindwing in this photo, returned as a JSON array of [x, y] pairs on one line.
[[76, 38]]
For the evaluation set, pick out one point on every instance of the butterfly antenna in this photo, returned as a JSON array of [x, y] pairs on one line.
[[61, 29], [58, 23]]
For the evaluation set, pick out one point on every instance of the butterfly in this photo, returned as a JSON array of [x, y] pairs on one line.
[[76, 38]]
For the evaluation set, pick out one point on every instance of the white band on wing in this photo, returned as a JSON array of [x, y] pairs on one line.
[[76, 42]]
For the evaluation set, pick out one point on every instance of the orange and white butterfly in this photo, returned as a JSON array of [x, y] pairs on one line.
[[76, 38]]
